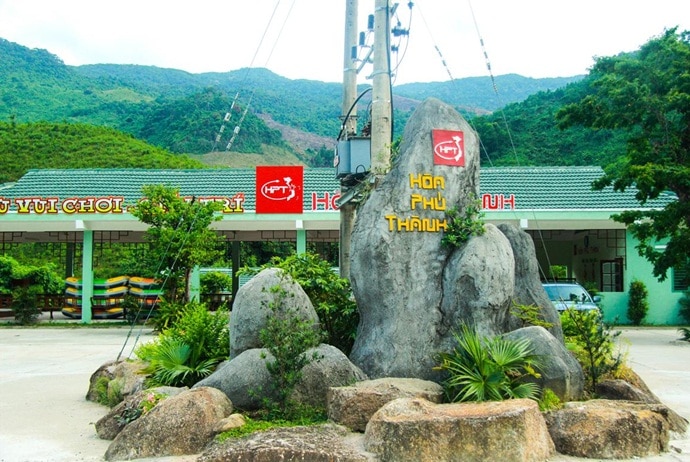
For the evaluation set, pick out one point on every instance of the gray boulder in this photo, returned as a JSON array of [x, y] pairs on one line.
[[272, 292], [559, 371], [616, 389], [124, 379], [478, 286], [179, 425], [329, 368], [528, 289], [354, 405], [413, 292], [415, 429], [247, 382], [244, 379], [108, 426]]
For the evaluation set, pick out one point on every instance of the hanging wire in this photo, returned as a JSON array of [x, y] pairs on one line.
[[228, 114], [510, 135], [226, 119], [502, 112], [163, 284]]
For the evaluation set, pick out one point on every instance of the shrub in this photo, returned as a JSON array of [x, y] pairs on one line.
[[215, 282], [530, 315], [637, 302], [592, 343], [684, 303], [549, 401], [488, 369], [24, 306], [287, 337], [209, 330], [685, 333]]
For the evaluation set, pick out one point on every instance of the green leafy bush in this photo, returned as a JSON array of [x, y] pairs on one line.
[[287, 337], [24, 306], [685, 333], [549, 401], [592, 343], [215, 282], [26, 283], [530, 315], [684, 303], [488, 369], [209, 330], [637, 302]]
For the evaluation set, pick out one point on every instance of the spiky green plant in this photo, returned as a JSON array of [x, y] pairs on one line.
[[488, 369], [175, 363]]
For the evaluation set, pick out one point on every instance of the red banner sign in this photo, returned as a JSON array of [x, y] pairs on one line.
[[279, 189], [449, 147]]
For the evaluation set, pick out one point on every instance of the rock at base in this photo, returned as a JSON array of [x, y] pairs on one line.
[[418, 430], [608, 429]]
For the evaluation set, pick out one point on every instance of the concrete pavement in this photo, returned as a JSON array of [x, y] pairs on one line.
[[44, 377]]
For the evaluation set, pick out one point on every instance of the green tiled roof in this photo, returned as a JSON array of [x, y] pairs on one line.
[[562, 188], [535, 188]]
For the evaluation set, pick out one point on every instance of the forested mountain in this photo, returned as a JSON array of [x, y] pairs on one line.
[[526, 133], [183, 112]]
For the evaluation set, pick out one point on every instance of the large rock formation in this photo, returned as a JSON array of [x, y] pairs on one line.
[[245, 378], [412, 291]]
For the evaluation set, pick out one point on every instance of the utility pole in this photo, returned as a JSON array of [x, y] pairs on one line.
[[381, 93], [379, 147], [347, 210]]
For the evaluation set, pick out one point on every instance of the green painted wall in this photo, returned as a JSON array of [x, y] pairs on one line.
[[663, 302]]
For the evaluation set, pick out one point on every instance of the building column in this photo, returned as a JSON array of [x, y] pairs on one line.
[[195, 284], [87, 277], [301, 241]]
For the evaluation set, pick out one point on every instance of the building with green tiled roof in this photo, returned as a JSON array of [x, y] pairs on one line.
[[570, 222]]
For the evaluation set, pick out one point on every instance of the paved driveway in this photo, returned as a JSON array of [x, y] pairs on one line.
[[44, 376]]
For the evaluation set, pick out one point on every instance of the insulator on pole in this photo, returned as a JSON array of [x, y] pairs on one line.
[[222, 128], [370, 22], [227, 117], [236, 130], [218, 138]]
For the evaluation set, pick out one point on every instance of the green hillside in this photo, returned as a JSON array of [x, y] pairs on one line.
[[25, 146]]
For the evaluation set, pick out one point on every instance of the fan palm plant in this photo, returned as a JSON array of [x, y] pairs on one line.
[[173, 362], [488, 369]]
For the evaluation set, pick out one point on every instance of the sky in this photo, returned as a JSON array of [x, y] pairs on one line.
[[304, 39]]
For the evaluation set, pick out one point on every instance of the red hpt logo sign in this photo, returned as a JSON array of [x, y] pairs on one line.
[[279, 189], [449, 147]]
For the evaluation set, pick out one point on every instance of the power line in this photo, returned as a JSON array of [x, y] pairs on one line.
[[228, 114]]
